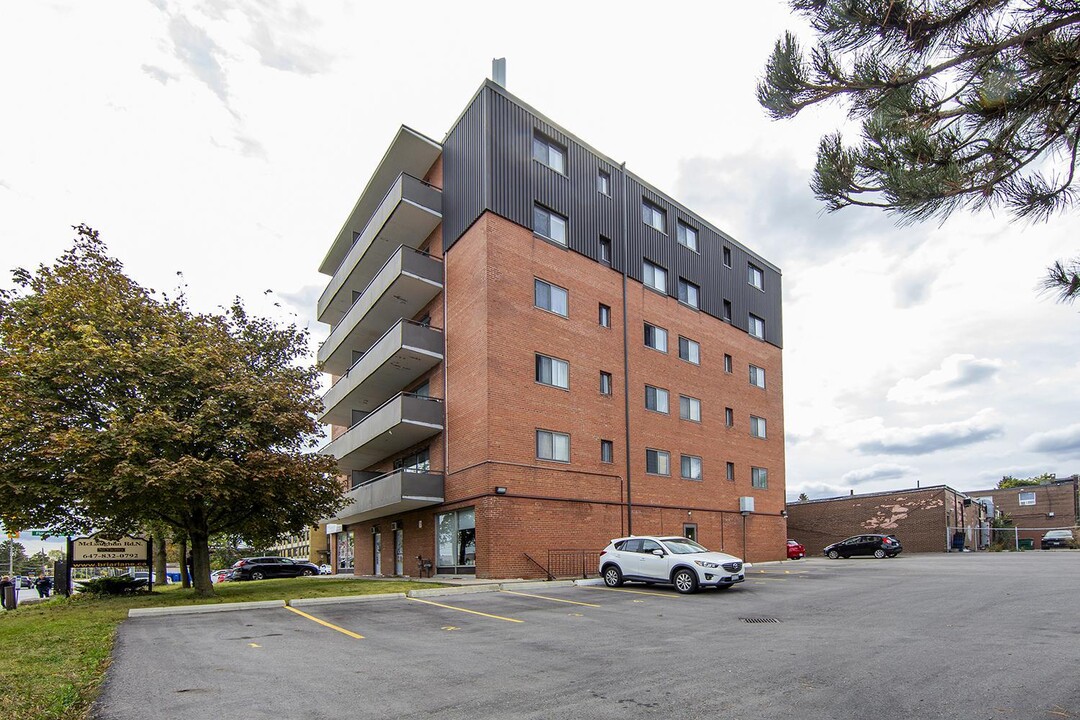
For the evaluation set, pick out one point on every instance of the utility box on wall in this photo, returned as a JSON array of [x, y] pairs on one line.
[[746, 504]]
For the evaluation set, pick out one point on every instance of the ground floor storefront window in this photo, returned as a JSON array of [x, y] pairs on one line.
[[345, 551], [456, 537]]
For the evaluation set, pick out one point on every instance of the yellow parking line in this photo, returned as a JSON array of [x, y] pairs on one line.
[[545, 597], [350, 633], [471, 612], [636, 592]]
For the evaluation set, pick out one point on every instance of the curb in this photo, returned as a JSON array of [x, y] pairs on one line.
[[590, 581], [467, 590], [199, 609], [526, 585], [345, 599]]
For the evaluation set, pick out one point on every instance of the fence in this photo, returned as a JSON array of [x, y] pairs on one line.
[[984, 538], [573, 563]]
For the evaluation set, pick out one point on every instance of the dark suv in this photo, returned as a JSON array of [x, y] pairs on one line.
[[263, 568], [880, 546]]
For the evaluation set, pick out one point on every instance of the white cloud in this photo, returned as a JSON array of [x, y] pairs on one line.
[[931, 438], [878, 471], [956, 375], [1064, 440]]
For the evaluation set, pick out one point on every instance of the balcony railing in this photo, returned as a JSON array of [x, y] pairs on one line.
[[392, 493], [399, 423]]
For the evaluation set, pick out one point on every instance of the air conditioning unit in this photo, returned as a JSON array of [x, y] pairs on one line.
[[395, 525], [374, 529]]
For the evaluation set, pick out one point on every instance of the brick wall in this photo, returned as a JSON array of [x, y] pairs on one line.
[[1059, 498]]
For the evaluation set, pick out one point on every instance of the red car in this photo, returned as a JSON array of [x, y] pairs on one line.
[[795, 550]]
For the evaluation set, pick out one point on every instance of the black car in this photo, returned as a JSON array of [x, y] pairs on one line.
[[262, 568], [880, 546], [1057, 539]]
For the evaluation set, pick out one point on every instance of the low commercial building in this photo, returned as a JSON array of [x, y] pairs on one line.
[[1034, 509]]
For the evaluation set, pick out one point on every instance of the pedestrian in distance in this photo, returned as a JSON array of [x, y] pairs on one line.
[[44, 585], [5, 583]]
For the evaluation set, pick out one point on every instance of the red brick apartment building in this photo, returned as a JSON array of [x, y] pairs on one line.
[[534, 351]]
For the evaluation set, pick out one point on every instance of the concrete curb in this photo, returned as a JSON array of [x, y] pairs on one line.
[[536, 585], [345, 599], [466, 590], [590, 581], [199, 609]]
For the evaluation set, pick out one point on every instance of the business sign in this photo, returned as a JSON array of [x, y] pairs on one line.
[[100, 549]]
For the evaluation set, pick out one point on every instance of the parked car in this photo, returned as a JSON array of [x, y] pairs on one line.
[[262, 568], [144, 575], [677, 561], [1057, 539], [795, 550], [880, 546], [220, 576], [25, 581]]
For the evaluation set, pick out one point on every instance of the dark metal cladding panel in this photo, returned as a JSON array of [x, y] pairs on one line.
[[464, 158]]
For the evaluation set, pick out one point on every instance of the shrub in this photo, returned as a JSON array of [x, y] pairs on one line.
[[120, 585]]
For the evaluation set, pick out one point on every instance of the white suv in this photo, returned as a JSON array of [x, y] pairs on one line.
[[675, 560]]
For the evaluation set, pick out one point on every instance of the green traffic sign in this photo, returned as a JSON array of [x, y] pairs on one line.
[[39, 533]]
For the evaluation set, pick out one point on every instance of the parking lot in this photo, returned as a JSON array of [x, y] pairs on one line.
[[920, 636]]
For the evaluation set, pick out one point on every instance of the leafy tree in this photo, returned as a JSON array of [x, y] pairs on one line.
[[12, 557], [962, 103], [803, 497], [119, 407], [1009, 481]]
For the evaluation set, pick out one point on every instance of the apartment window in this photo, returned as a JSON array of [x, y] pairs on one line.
[[603, 182], [551, 298], [654, 216], [657, 462], [729, 417], [689, 350], [729, 471], [550, 371], [1027, 498], [654, 276], [727, 257], [689, 408], [656, 337], [607, 451], [756, 327], [605, 383], [727, 311], [417, 462], [552, 446], [423, 389], [757, 376], [605, 251], [548, 152], [656, 399], [757, 426], [689, 293], [605, 316], [755, 277], [727, 363], [549, 224], [690, 467], [687, 236], [759, 477]]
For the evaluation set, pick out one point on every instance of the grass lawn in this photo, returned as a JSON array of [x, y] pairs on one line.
[[53, 655]]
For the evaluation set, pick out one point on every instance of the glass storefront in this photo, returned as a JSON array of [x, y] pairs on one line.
[[345, 549], [456, 538]]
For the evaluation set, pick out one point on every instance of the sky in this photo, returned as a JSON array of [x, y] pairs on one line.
[[219, 146]]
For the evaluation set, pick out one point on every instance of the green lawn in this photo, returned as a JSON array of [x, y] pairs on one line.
[[53, 655]]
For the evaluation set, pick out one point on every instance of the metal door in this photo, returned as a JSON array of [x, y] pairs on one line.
[[399, 552], [378, 553]]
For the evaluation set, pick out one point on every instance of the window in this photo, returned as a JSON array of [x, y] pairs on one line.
[[605, 251], [550, 371], [727, 257], [689, 350], [605, 316], [730, 471], [657, 462], [549, 224], [552, 446], [727, 311], [653, 216], [548, 152], [656, 399], [754, 276], [603, 182], [689, 408], [689, 293], [551, 298], [605, 383], [757, 426], [656, 337], [759, 477], [654, 276], [690, 467], [607, 451], [729, 417], [455, 534], [727, 363], [757, 327], [757, 376], [417, 462], [687, 236], [1027, 498]]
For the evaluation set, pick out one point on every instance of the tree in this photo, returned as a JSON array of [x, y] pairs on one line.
[[119, 407], [962, 103], [803, 497], [12, 557], [1008, 481]]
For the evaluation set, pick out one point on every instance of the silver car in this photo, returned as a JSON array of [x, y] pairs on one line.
[[677, 561]]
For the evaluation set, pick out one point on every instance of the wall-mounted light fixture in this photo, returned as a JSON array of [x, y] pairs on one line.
[[500, 490], [783, 513]]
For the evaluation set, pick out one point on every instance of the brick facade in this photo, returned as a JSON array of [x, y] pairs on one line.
[[1055, 506]]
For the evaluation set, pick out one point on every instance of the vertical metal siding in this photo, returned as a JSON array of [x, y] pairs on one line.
[[465, 155]]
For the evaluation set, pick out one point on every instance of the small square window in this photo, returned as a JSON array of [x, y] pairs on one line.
[[604, 316], [552, 446], [727, 363], [687, 236], [654, 216], [549, 224], [757, 426], [757, 376], [756, 327], [550, 153], [689, 408], [656, 399], [689, 293], [551, 298], [605, 251], [729, 417], [605, 383], [607, 451], [727, 257], [727, 311], [690, 467], [654, 276], [689, 350], [759, 477], [655, 337], [1027, 498], [730, 471], [551, 371], [603, 183], [657, 462], [755, 277]]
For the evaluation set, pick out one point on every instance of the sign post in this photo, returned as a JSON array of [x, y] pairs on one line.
[[98, 550]]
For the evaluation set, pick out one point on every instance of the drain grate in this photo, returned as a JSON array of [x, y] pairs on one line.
[[760, 620]]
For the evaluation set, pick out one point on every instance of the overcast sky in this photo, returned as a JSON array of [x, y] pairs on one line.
[[228, 141]]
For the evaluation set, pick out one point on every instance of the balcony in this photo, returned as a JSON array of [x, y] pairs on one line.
[[407, 215], [403, 354], [399, 423], [406, 283], [391, 494]]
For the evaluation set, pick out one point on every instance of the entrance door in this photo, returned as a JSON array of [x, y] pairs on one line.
[[689, 531], [378, 553], [399, 552]]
